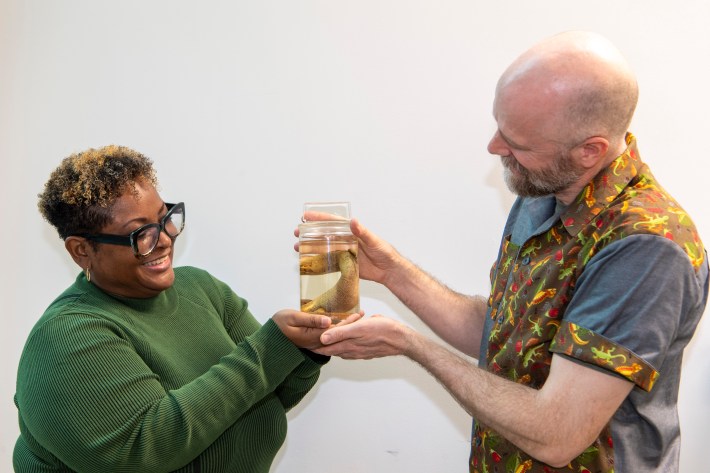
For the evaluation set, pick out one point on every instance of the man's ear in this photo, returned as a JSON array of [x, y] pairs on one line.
[[80, 250], [591, 152]]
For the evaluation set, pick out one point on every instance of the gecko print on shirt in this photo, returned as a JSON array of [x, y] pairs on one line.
[[534, 282]]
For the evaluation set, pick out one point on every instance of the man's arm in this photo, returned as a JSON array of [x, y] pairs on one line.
[[576, 401], [456, 318]]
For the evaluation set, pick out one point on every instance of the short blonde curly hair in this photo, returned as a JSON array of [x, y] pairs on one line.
[[80, 193]]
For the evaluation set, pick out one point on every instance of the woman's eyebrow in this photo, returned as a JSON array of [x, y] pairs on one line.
[[142, 220]]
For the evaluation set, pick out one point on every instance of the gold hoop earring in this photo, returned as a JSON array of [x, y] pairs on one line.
[[87, 273]]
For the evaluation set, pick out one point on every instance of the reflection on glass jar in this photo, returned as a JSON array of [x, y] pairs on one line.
[[328, 267]]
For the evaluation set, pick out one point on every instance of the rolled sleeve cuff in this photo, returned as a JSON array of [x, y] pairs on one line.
[[590, 347]]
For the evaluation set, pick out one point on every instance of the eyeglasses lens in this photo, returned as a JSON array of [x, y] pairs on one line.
[[174, 222], [147, 239]]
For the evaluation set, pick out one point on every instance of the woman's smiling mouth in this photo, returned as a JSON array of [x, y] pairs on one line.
[[157, 262]]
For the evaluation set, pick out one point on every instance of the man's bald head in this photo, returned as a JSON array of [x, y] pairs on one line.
[[576, 83]]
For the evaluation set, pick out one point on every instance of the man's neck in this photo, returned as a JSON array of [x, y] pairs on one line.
[[568, 195]]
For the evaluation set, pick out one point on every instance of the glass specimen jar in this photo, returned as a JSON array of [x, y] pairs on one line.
[[328, 261]]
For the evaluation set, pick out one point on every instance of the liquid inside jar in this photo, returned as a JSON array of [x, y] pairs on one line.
[[329, 275]]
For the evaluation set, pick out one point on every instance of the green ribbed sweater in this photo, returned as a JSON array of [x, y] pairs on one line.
[[186, 381]]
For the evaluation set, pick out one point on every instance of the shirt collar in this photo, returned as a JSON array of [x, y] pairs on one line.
[[603, 189]]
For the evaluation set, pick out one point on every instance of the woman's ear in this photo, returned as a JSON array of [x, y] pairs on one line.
[[591, 152], [80, 250]]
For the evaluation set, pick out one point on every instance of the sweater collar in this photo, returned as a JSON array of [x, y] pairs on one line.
[[163, 304]]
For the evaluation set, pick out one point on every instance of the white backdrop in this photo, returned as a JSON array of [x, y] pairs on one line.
[[249, 109]]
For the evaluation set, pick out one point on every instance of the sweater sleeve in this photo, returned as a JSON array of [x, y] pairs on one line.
[[301, 379], [88, 398], [627, 316]]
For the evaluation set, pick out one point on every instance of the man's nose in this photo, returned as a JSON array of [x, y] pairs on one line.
[[497, 146]]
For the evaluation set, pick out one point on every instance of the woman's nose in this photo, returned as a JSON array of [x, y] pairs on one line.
[[164, 240]]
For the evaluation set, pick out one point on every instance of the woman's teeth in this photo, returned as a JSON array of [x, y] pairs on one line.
[[156, 262]]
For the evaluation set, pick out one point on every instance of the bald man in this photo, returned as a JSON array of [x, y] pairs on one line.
[[598, 286]]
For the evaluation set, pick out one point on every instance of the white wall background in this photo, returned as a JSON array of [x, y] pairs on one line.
[[250, 109]]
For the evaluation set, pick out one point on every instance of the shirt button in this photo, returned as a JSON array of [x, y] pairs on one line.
[[526, 261]]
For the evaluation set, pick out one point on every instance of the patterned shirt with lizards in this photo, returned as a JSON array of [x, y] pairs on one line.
[[617, 280]]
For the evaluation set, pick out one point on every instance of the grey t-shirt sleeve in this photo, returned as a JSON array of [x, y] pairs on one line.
[[643, 296]]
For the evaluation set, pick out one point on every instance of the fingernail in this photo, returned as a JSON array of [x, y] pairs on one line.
[[325, 339]]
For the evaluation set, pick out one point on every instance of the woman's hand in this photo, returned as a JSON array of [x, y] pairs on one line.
[[302, 328]]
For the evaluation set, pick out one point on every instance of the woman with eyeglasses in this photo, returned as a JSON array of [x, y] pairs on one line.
[[142, 367]]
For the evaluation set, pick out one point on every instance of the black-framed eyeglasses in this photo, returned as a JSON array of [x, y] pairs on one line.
[[143, 240]]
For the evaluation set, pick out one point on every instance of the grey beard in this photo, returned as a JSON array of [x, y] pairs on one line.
[[526, 183]]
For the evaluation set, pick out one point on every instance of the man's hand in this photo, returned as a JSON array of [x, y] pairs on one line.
[[375, 337], [376, 258]]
